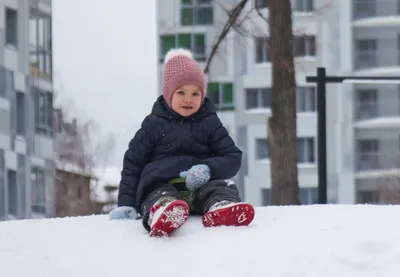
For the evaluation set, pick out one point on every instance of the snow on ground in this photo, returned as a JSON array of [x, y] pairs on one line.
[[307, 241]]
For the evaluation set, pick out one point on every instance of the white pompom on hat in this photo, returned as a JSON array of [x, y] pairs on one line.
[[175, 52]]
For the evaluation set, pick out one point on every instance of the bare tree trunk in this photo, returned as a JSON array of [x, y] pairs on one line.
[[282, 125]]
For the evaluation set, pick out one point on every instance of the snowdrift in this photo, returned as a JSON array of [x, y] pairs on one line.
[[323, 241]]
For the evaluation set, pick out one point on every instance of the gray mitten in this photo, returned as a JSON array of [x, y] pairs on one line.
[[122, 213]]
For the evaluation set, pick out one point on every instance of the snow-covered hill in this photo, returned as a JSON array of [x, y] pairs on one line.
[[320, 241]]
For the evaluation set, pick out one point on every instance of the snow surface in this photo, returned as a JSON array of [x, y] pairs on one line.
[[306, 241]]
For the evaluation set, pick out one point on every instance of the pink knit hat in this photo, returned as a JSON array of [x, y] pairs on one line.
[[181, 69]]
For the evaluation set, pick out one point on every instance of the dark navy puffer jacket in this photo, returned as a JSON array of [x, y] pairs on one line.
[[168, 143]]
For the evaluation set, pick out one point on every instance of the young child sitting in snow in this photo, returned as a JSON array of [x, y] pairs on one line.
[[182, 137]]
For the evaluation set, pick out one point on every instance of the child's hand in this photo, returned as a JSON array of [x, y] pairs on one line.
[[122, 213], [196, 176]]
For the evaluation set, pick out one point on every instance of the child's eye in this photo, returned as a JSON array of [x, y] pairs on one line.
[[181, 92], [196, 94]]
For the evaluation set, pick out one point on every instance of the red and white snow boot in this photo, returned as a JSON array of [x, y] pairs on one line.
[[167, 215], [226, 213]]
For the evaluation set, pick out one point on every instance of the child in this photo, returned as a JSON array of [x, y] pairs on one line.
[[182, 137]]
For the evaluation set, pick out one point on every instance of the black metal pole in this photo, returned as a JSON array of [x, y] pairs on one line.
[[321, 137]]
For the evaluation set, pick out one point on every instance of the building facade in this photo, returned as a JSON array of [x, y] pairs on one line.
[[346, 37], [26, 110], [368, 148]]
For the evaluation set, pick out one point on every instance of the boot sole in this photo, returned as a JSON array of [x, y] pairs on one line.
[[240, 214], [174, 216]]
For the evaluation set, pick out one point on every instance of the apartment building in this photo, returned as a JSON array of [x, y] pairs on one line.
[[26, 107], [369, 130], [345, 36]]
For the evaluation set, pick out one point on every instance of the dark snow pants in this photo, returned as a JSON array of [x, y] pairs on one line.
[[199, 201]]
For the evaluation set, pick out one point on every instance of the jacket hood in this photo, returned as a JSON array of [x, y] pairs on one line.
[[161, 109]]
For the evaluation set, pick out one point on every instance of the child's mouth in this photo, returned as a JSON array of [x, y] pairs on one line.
[[187, 107]]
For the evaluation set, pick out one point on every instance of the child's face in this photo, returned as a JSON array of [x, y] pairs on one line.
[[186, 100]]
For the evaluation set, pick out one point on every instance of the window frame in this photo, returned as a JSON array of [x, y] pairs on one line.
[[195, 6], [200, 57]]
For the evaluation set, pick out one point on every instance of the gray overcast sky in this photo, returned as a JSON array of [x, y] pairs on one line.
[[105, 61]]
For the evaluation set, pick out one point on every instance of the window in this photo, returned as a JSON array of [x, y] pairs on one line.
[[304, 46], [398, 7], [298, 5], [305, 150], [3, 82], [58, 120], [366, 104], [261, 98], [368, 154], [367, 95], [261, 4], [221, 95], [12, 100], [197, 12], [11, 28], [194, 42], [20, 113], [308, 196], [365, 53], [265, 197], [258, 98], [368, 197], [306, 99], [21, 175], [38, 190], [303, 5], [12, 193], [262, 51], [262, 151], [43, 112], [364, 9], [40, 44], [2, 185], [79, 192]]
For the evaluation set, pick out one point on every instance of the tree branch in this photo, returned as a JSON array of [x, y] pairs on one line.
[[233, 15]]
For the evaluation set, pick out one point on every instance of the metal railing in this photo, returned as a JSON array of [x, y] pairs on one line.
[[371, 110], [388, 56], [377, 161], [375, 8]]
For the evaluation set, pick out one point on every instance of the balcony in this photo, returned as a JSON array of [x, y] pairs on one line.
[[386, 57], [376, 12], [377, 161], [378, 109]]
